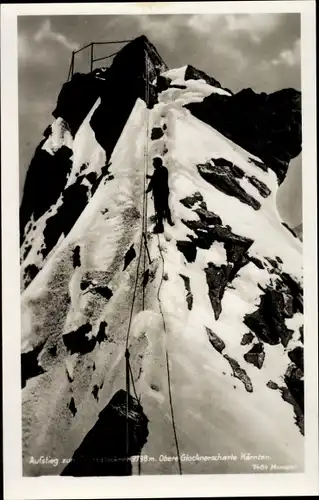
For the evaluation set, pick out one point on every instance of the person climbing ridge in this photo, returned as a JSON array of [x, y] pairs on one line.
[[159, 186]]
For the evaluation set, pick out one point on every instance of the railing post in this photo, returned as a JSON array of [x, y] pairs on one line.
[[72, 65], [92, 55]]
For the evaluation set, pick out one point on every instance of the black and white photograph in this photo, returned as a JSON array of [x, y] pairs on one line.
[[160, 210]]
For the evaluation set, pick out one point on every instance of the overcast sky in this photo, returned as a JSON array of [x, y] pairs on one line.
[[258, 51]]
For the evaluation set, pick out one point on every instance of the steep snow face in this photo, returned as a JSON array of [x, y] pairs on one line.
[[223, 300]]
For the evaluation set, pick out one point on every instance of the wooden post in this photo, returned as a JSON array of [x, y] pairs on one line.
[[92, 56]]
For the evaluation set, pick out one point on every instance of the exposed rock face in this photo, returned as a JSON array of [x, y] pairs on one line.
[[261, 186], [192, 73], [103, 450], [291, 231], [247, 338], [224, 179], [29, 364], [46, 178], [188, 249], [216, 341], [74, 199], [30, 273], [268, 321], [83, 89], [118, 98], [190, 201], [295, 383], [208, 217], [296, 356], [78, 341], [256, 355], [295, 290], [129, 256], [189, 295], [157, 133], [267, 125], [217, 279], [240, 373], [76, 257], [72, 407]]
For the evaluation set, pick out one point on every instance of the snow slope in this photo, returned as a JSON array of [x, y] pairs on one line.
[[216, 413]]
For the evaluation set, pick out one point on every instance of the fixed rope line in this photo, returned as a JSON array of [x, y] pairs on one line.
[[105, 57], [143, 241], [167, 363], [146, 98], [127, 353]]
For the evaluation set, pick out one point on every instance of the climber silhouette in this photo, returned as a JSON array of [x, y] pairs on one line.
[[159, 186]]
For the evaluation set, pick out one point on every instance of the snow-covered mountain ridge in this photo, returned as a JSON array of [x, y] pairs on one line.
[[226, 280]]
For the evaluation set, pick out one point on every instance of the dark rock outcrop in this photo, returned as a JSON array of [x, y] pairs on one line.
[[267, 125], [192, 73], [188, 249], [235, 245], [301, 334], [29, 364], [291, 231], [76, 99], [272, 385], [235, 170], [294, 393], [29, 274], [207, 232], [296, 356], [239, 373], [295, 290], [74, 200], [256, 355], [261, 186], [125, 82], [77, 340], [223, 179], [268, 321], [103, 451], [102, 290], [129, 256], [76, 257], [190, 201], [259, 164], [247, 338], [217, 278], [72, 407], [95, 392], [216, 341], [156, 133], [256, 261], [46, 178], [189, 295], [208, 217], [101, 335]]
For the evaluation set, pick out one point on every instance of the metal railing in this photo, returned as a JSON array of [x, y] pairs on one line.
[[92, 58]]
